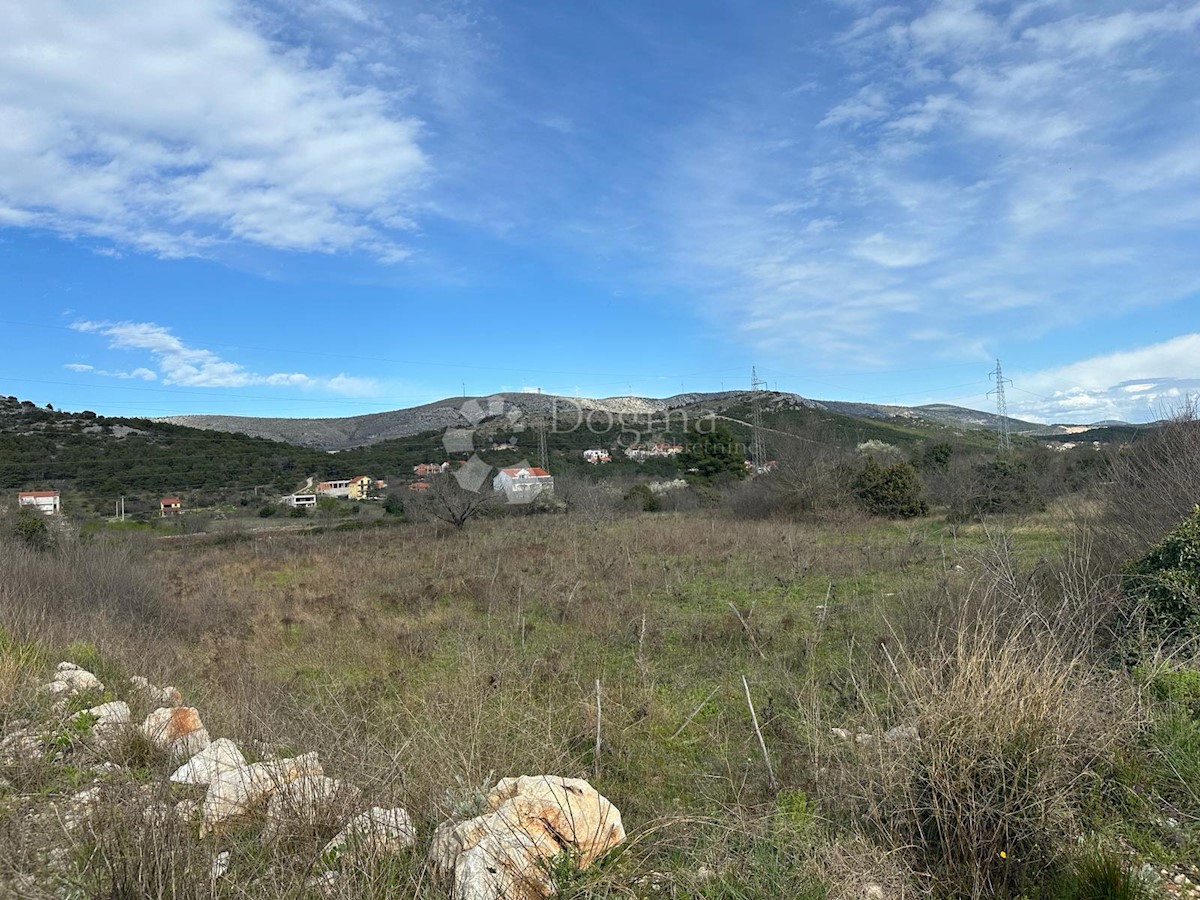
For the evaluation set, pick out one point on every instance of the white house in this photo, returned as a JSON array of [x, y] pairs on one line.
[[300, 500], [522, 484], [45, 502], [595, 457]]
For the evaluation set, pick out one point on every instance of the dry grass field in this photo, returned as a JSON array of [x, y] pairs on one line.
[[931, 700]]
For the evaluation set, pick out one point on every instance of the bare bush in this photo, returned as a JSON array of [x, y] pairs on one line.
[[1015, 726], [1151, 486]]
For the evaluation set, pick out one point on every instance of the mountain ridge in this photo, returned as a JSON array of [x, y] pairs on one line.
[[348, 432]]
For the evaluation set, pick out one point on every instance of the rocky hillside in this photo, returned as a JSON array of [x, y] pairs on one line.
[[461, 412]]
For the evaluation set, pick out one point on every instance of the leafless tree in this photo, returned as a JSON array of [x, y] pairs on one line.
[[448, 501]]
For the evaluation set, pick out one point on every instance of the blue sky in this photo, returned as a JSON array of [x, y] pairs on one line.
[[331, 207]]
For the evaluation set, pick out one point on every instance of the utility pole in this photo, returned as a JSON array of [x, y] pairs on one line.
[[758, 451], [543, 455], [1001, 403]]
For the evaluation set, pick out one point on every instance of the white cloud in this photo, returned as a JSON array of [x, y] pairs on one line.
[[178, 127], [181, 364], [1139, 384], [140, 373], [990, 176]]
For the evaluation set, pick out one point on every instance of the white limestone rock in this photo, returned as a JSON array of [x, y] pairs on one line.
[[375, 832], [176, 729], [222, 755], [532, 819], [237, 793]]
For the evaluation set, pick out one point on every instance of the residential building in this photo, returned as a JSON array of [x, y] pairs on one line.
[[597, 456], [424, 470], [300, 500], [418, 487], [360, 486], [45, 502], [658, 450], [170, 506], [339, 487], [522, 484]]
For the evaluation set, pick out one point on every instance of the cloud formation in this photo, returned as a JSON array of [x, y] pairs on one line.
[[997, 170], [1137, 385], [176, 128], [181, 364]]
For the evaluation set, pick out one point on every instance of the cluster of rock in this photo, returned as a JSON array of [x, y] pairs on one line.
[[897, 734], [505, 852]]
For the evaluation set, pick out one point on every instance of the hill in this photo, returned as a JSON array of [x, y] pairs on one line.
[[357, 431]]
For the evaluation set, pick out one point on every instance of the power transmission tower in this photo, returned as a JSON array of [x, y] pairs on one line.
[[1001, 403], [758, 453], [543, 456]]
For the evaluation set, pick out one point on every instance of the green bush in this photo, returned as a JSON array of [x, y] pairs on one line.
[[1001, 486], [1179, 686], [893, 491], [1101, 875], [31, 530], [1165, 583], [641, 498]]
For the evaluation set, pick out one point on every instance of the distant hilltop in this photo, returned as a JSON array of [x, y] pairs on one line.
[[343, 433]]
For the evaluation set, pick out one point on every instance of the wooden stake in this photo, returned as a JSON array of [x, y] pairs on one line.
[[758, 731]]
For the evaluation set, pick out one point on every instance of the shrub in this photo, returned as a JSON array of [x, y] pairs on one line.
[[1165, 583], [1100, 875], [31, 530], [893, 491], [641, 498], [1013, 731], [999, 486]]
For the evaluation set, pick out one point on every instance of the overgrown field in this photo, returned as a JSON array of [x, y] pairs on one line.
[[950, 709]]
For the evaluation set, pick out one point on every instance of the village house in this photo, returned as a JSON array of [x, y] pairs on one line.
[[424, 470], [170, 506], [360, 486], [45, 502], [418, 487], [301, 500], [597, 456], [521, 485], [658, 450], [339, 487]]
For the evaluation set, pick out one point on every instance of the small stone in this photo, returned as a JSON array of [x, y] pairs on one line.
[[326, 884], [902, 734], [77, 680], [220, 865], [109, 714]]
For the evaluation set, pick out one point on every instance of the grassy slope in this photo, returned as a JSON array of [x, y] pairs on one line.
[[420, 662]]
